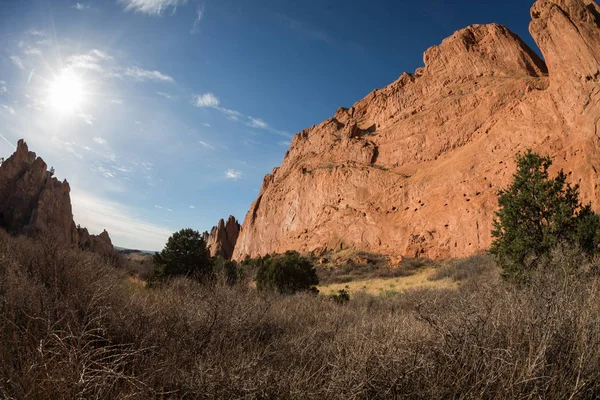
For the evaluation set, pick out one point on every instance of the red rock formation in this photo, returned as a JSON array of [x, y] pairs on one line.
[[35, 203], [414, 168], [222, 238]]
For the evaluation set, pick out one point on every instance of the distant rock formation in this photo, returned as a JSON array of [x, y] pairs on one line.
[[34, 203], [222, 238], [100, 244], [414, 168]]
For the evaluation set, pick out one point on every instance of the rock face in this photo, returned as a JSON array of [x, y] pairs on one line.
[[222, 238], [414, 168], [100, 244], [35, 203]]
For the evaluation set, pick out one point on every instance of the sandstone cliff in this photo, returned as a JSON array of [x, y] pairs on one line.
[[414, 168], [222, 238], [33, 202]]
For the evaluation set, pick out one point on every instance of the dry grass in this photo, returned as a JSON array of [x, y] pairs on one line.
[[392, 286], [73, 327]]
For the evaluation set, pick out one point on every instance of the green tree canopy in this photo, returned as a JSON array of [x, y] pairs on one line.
[[185, 254], [537, 212], [288, 273]]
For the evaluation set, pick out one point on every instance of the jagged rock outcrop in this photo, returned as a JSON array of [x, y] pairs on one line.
[[34, 203], [414, 168], [100, 244], [222, 238]]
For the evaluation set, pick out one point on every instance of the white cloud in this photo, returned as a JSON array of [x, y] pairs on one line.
[[233, 174], [192, 207], [3, 88], [208, 146], [10, 110], [154, 8], [232, 114], [206, 124], [124, 228], [91, 60], [121, 169], [206, 100], [159, 207], [80, 6], [32, 51], [212, 101], [165, 95], [284, 143], [116, 101], [199, 15], [99, 140], [143, 75], [257, 123], [35, 32], [87, 118], [17, 61]]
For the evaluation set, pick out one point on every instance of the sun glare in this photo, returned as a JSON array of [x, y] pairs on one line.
[[66, 92]]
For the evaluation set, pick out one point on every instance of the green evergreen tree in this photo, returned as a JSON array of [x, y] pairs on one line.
[[288, 273], [535, 213], [185, 254]]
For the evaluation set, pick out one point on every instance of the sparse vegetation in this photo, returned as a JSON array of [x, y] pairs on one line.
[[72, 326]]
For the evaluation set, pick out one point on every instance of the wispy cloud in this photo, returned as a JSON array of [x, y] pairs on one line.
[[165, 95], [125, 229], [80, 6], [206, 124], [206, 100], [204, 144], [154, 8], [17, 61], [116, 101], [142, 75], [199, 14], [233, 174], [211, 101], [257, 123], [9, 109], [91, 60], [32, 51], [3, 88], [285, 143], [192, 207], [87, 118], [35, 32], [99, 140]]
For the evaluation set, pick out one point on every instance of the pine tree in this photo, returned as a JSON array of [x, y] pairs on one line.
[[536, 213]]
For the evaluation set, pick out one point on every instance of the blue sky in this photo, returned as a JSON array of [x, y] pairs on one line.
[[165, 114]]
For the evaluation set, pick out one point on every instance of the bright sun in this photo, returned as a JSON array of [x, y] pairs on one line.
[[66, 92]]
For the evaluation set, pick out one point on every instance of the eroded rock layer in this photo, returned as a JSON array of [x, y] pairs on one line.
[[414, 168], [35, 203]]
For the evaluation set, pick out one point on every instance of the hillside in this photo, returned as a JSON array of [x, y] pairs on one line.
[[414, 168]]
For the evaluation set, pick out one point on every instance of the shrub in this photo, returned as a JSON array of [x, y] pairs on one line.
[[536, 213], [227, 269], [341, 297], [72, 326], [288, 273], [185, 254]]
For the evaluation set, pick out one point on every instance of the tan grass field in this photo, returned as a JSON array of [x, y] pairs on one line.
[[390, 286]]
